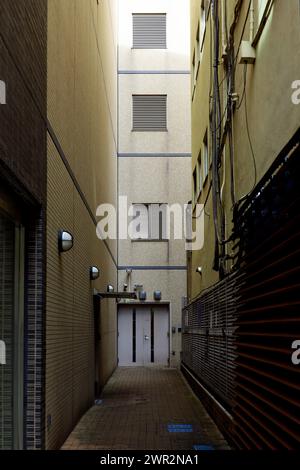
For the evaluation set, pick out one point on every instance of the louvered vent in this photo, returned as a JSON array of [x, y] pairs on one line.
[[149, 31], [149, 112]]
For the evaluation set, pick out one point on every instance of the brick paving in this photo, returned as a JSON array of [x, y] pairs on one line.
[[136, 407]]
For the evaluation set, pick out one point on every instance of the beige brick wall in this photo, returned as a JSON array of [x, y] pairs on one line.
[[82, 84]]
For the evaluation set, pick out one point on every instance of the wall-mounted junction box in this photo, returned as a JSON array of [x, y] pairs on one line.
[[247, 53]]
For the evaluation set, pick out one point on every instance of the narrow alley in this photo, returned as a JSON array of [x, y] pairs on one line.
[[146, 408], [149, 228]]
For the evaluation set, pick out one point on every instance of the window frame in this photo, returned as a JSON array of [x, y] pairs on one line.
[[205, 153], [149, 206]]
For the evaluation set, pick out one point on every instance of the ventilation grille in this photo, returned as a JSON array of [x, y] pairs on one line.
[[149, 112], [209, 339], [149, 31]]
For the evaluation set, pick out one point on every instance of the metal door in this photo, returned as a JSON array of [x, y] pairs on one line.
[[126, 336], [11, 333], [143, 335], [160, 325]]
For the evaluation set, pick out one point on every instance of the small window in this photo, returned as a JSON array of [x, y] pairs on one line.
[[149, 30], [203, 18], [205, 158], [197, 55], [149, 113], [199, 175], [193, 82], [149, 222], [197, 179], [195, 195]]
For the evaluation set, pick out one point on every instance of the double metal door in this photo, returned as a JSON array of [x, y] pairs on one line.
[[143, 335]]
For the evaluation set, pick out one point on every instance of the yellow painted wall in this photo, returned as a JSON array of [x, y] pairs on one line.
[[82, 111], [273, 118]]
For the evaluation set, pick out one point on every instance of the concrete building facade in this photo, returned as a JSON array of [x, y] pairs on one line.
[[154, 148]]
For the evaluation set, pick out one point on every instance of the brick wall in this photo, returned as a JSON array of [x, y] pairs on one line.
[[81, 174], [23, 69], [23, 62]]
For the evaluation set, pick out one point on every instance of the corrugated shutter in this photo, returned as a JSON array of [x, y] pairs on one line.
[[208, 339], [149, 112], [149, 31]]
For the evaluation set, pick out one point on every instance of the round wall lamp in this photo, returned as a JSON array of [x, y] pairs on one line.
[[142, 295], [94, 273], [199, 270], [110, 289], [157, 295], [65, 241]]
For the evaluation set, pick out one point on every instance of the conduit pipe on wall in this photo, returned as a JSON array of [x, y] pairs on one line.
[[252, 21], [263, 21]]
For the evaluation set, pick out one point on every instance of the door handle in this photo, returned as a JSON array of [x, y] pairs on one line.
[[146, 338]]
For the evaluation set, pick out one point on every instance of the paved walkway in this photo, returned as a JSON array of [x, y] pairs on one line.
[[141, 408]]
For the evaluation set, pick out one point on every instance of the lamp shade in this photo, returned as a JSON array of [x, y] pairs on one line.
[[65, 241], [94, 273]]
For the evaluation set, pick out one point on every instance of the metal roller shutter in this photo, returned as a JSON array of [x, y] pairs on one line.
[[149, 31], [149, 112]]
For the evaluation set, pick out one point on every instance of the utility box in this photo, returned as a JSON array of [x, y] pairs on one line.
[[247, 53]]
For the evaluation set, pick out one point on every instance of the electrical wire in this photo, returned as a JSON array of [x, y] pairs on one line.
[[251, 148], [244, 90]]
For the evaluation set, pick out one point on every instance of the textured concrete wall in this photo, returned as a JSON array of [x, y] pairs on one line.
[[177, 89], [156, 178], [82, 169], [175, 57], [273, 118]]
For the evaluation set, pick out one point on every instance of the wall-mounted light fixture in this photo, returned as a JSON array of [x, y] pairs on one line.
[[157, 295], [125, 287], [110, 289], [65, 241], [94, 273], [143, 295], [199, 270]]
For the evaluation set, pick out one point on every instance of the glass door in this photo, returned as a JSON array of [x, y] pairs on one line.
[[11, 333]]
